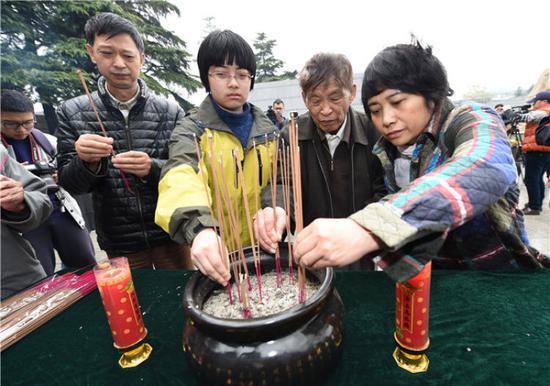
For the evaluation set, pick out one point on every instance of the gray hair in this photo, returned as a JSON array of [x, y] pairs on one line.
[[323, 67]]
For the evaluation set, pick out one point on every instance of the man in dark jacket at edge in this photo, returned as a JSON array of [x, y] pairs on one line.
[[339, 172], [138, 125]]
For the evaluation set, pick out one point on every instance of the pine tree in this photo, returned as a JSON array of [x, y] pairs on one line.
[[43, 44], [210, 26], [266, 63]]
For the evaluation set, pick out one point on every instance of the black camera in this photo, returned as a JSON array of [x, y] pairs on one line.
[[45, 170], [271, 114], [511, 116]]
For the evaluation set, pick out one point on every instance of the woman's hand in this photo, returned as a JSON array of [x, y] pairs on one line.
[[333, 243]]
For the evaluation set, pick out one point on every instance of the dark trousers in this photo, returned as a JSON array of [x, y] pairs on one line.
[[60, 231], [166, 256], [536, 163]]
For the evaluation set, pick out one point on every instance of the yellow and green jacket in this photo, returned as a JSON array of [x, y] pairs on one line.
[[182, 208]]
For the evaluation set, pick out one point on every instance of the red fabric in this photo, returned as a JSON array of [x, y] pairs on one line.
[[529, 142]]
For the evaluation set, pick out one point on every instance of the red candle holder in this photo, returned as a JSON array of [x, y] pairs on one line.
[[115, 284], [412, 312]]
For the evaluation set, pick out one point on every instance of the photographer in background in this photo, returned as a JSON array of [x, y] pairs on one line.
[[537, 157], [64, 229], [275, 113]]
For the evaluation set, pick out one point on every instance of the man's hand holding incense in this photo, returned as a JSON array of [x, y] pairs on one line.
[[268, 230], [333, 243], [205, 255], [137, 163], [12, 195], [91, 148]]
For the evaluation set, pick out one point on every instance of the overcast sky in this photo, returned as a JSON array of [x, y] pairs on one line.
[[497, 45]]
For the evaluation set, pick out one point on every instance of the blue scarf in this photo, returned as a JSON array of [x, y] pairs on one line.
[[239, 123]]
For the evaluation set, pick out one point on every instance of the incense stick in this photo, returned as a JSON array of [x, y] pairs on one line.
[[297, 190], [249, 223], [286, 201], [220, 247], [273, 182], [233, 221], [92, 104], [22, 322]]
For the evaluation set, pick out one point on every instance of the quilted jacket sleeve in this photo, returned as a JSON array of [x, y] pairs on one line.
[[37, 204], [74, 175], [478, 170]]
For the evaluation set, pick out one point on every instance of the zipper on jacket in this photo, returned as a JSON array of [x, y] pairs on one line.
[[259, 165], [235, 160], [353, 177], [136, 189], [325, 178]]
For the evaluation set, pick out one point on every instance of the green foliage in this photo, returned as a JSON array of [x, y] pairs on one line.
[[266, 63], [43, 44]]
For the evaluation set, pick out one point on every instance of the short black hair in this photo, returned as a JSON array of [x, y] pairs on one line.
[[110, 24], [225, 47], [277, 101], [15, 102], [498, 105], [410, 68]]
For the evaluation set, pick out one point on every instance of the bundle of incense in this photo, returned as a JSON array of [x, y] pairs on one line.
[[285, 171], [103, 130], [273, 181], [249, 223], [257, 183], [231, 236], [297, 194], [234, 226], [30, 295], [26, 320], [220, 225]]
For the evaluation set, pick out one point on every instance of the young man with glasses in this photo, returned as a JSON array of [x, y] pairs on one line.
[[64, 230], [224, 125]]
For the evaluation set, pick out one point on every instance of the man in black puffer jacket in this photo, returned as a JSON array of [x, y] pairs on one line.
[[138, 126]]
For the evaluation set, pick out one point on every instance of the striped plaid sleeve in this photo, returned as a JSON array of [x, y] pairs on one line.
[[477, 173]]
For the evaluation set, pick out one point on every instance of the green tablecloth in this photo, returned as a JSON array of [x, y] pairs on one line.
[[486, 329]]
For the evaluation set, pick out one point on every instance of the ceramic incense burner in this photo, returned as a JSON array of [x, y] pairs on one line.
[[296, 347]]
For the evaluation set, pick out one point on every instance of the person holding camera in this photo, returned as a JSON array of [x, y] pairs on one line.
[[537, 157], [25, 206], [64, 230], [275, 112]]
